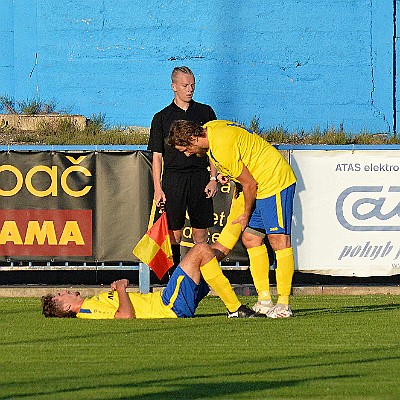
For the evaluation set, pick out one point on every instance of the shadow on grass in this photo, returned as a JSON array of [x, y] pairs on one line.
[[228, 389], [106, 328], [347, 309], [180, 389], [197, 381], [200, 315]]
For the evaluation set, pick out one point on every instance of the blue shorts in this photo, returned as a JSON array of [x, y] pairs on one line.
[[274, 214], [184, 293]]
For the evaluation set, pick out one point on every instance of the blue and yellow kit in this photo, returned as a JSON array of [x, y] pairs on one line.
[[179, 299], [231, 146]]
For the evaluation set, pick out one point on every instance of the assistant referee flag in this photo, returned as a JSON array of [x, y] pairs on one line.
[[154, 248]]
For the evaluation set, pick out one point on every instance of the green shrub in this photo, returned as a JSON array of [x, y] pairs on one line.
[[65, 132], [33, 106], [98, 131]]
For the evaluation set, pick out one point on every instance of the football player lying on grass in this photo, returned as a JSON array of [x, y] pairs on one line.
[[188, 284]]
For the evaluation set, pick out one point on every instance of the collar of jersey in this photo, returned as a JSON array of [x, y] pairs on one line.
[[191, 105]]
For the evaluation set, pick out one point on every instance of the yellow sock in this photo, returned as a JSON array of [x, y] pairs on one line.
[[259, 268], [284, 274], [214, 277]]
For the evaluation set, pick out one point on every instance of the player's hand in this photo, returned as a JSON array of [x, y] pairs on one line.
[[120, 284], [159, 198], [243, 220], [222, 179], [211, 189]]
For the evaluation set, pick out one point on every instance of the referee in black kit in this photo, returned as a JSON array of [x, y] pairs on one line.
[[182, 183]]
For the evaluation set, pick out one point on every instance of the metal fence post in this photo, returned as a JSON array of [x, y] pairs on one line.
[[144, 278]]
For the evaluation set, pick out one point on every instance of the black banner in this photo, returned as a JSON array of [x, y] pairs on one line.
[[90, 206], [83, 206]]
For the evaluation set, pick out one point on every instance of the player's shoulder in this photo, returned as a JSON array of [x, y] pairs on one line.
[[219, 123], [165, 111], [198, 104], [203, 108]]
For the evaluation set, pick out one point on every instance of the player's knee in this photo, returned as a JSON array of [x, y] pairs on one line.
[[249, 240], [204, 251], [279, 241], [200, 235]]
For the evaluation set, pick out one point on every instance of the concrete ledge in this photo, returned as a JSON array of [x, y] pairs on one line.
[[346, 290], [39, 291], [241, 290], [327, 290]]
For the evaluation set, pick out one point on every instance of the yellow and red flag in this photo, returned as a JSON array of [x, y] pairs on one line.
[[154, 248]]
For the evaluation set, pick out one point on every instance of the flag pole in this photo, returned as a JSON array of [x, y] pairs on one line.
[[152, 214]]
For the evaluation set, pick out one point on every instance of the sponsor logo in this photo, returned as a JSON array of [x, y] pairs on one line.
[[45, 233], [369, 208], [43, 180]]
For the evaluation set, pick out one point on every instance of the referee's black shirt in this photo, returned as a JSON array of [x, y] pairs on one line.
[[162, 121]]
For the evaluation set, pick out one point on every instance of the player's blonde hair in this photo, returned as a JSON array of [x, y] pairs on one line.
[[183, 70]]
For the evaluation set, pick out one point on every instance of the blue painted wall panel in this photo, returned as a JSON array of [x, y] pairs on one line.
[[26, 83], [6, 47], [297, 64], [396, 49]]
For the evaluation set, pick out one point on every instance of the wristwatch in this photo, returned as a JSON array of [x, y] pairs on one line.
[[213, 178]]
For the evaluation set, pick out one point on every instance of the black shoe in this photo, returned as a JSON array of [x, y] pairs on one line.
[[243, 312]]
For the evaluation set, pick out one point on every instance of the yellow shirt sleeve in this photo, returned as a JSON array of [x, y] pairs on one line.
[[232, 146]]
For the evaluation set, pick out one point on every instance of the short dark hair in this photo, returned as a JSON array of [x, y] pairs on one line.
[[51, 308], [183, 69], [181, 133]]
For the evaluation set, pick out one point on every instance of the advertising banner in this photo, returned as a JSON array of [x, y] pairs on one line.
[[95, 207], [347, 212], [81, 207], [222, 203]]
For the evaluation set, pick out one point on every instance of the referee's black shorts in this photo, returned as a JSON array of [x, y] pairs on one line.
[[185, 191]]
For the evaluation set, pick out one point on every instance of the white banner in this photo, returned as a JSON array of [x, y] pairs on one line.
[[347, 212]]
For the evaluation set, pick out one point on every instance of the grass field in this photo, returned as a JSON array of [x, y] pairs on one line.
[[336, 347]]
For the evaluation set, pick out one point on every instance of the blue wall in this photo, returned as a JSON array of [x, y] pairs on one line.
[[297, 64]]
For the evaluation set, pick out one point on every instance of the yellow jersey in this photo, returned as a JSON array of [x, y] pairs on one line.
[[231, 146], [105, 305]]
